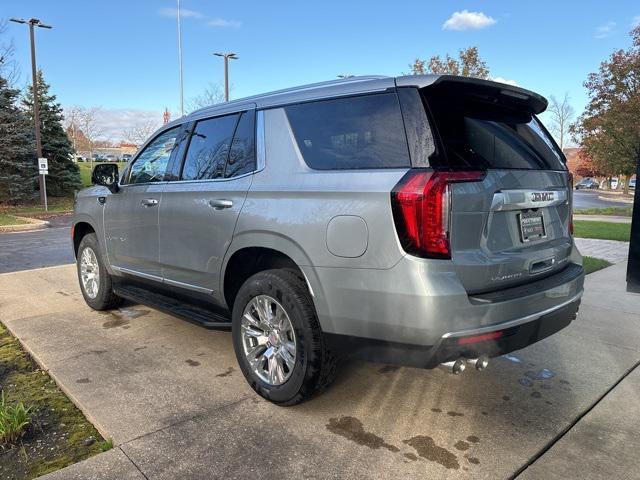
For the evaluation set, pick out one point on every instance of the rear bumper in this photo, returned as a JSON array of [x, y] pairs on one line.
[[513, 335]]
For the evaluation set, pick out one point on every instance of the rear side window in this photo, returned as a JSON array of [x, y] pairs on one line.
[[351, 133], [242, 156], [481, 132], [209, 148]]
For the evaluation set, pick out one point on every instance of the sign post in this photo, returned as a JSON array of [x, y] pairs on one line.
[[43, 169], [633, 267]]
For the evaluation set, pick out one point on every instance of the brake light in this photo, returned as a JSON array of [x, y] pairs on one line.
[[480, 338], [421, 204], [570, 203]]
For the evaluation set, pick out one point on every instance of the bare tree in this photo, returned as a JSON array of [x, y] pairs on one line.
[[562, 115], [9, 68], [138, 133], [213, 94], [71, 124], [87, 121]]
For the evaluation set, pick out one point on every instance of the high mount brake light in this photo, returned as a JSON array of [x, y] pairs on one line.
[[421, 204]]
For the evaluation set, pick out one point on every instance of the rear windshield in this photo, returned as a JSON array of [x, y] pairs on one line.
[[351, 133], [477, 133]]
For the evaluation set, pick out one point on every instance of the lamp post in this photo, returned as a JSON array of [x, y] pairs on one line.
[[34, 22], [227, 57], [180, 61]]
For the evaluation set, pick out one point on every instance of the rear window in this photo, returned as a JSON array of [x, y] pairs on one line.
[[351, 133], [478, 133]]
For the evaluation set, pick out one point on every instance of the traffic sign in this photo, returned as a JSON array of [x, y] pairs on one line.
[[43, 166]]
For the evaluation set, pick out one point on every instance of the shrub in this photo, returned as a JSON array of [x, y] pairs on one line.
[[14, 419]]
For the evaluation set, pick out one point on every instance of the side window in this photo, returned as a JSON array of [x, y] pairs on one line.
[[350, 133], [242, 156], [209, 148], [421, 142], [151, 164]]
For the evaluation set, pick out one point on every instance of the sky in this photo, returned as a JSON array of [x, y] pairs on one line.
[[122, 55]]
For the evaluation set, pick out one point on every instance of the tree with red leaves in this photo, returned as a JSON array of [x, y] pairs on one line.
[[609, 128]]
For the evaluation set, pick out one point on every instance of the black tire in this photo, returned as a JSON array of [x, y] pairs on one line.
[[104, 299], [315, 365]]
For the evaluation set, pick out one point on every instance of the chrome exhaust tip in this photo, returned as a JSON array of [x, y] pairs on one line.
[[479, 363], [456, 366]]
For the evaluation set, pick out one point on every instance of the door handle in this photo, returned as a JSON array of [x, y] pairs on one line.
[[149, 202], [220, 203]]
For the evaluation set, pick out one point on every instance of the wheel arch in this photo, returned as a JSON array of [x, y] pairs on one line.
[[253, 252]]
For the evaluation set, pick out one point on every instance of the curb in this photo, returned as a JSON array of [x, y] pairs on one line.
[[610, 199], [32, 224]]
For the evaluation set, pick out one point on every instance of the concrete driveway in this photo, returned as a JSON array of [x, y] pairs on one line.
[[171, 397]]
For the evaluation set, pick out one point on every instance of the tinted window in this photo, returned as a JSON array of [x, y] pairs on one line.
[[242, 156], [346, 133], [481, 131], [151, 164], [421, 143], [208, 148]]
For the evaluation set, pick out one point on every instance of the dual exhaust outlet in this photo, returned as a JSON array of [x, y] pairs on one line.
[[458, 366]]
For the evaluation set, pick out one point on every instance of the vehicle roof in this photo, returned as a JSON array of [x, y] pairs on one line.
[[352, 86]]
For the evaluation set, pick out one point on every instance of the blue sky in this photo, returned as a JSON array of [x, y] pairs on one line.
[[122, 55]]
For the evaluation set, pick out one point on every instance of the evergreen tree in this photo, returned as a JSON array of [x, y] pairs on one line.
[[64, 174], [18, 166]]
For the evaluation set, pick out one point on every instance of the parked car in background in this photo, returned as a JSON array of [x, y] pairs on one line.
[[370, 216], [588, 184], [126, 157], [632, 183]]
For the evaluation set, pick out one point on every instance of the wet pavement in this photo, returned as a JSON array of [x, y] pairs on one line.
[[170, 395]]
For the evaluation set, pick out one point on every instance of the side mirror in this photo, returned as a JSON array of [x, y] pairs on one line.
[[106, 174]]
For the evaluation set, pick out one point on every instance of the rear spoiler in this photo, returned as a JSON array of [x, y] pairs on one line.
[[526, 99]]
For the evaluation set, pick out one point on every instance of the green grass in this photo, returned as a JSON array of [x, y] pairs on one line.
[[85, 170], [602, 230], [619, 211], [57, 205], [57, 433], [10, 220], [592, 264]]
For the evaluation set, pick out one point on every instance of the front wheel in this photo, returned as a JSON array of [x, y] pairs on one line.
[[95, 281], [277, 338]]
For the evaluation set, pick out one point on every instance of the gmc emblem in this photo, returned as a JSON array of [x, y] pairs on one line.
[[542, 196]]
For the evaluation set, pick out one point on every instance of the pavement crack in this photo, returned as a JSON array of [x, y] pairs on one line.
[[133, 463], [568, 428]]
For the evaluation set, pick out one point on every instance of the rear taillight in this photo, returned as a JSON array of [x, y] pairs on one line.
[[570, 180], [421, 204]]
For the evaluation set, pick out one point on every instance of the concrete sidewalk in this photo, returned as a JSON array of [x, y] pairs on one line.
[[171, 397], [612, 251], [603, 218]]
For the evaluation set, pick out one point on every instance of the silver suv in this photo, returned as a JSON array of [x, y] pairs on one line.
[[419, 220]]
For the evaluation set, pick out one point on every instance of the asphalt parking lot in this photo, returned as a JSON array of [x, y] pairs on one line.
[[591, 199], [171, 397]]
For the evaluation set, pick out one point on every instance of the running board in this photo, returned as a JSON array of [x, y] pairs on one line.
[[172, 306]]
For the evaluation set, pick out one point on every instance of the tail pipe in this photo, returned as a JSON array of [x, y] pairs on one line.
[[458, 366]]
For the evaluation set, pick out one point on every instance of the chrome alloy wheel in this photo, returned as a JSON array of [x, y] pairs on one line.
[[268, 340], [89, 272]]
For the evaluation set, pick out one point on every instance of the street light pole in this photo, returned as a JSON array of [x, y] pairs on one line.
[[180, 61], [34, 22], [227, 57]]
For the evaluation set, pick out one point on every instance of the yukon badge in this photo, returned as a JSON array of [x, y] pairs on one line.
[[542, 196]]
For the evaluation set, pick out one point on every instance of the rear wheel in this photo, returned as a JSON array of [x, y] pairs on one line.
[[277, 338], [95, 281]]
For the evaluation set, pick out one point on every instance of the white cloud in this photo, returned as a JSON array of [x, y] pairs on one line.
[[466, 20], [636, 21], [222, 23], [505, 80], [184, 13], [605, 30]]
